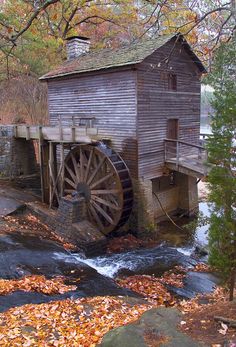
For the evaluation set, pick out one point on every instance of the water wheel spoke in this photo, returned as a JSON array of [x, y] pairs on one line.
[[102, 180], [106, 203], [88, 166], [96, 217], [102, 212], [69, 191], [81, 164], [75, 167], [104, 191], [71, 183], [96, 170], [73, 176], [91, 171]]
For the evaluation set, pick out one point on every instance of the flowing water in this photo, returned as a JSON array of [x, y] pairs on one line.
[[22, 255]]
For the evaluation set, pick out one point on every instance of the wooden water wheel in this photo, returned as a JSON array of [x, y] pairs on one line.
[[100, 175]]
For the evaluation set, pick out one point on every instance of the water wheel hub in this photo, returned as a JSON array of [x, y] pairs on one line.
[[84, 190]]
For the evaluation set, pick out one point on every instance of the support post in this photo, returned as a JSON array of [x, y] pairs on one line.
[[27, 132], [45, 172], [62, 171], [177, 154], [165, 150], [73, 129], [60, 129], [41, 166], [52, 173]]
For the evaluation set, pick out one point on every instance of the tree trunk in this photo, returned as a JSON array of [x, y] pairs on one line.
[[232, 284]]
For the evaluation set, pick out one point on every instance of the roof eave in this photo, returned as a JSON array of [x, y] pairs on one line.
[[46, 78], [195, 58]]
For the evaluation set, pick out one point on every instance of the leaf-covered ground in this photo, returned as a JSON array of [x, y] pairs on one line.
[[31, 225], [199, 320], [77, 323], [36, 283], [83, 322]]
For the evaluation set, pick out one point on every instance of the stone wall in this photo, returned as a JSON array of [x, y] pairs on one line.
[[169, 200], [17, 156], [188, 193], [6, 135], [173, 193], [69, 222]]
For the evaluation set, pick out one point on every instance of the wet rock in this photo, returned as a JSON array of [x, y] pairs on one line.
[[22, 255], [9, 206], [200, 251], [196, 283], [156, 325]]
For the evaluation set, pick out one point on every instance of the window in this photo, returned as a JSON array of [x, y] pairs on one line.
[[172, 82]]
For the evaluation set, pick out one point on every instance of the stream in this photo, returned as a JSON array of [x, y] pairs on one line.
[[22, 255]]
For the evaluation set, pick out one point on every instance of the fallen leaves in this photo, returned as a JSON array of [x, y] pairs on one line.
[[203, 322], [31, 225], [223, 330], [36, 283], [202, 267], [148, 286], [218, 295], [80, 323], [174, 277], [128, 242], [153, 288]]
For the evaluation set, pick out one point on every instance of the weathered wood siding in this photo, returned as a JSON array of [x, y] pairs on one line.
[[109, 97], [156, 104]]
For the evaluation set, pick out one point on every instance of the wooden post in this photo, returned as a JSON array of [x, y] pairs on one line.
[[51, 173], [62, 171], [165, 150], [60, 129], [177, 154], [53, 176], [45, 171], [41, 167], [73, 129], [27, 132], [15, 130]]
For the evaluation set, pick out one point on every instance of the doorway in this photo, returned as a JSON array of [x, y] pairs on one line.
[[173, 128], [172, 134]]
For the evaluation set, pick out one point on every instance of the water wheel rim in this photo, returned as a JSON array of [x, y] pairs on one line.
[[105, 198]]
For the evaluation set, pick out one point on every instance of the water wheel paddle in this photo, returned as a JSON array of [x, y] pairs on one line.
[[100, 175]]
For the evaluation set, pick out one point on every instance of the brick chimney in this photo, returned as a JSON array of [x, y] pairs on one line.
[[76, 46]]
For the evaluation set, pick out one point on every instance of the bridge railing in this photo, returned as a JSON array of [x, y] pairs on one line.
[[177, 151]]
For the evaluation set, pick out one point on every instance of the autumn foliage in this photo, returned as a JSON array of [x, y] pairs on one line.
[[71, 323], [36, 283]]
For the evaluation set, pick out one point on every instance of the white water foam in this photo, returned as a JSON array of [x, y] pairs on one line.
[[185, 251], [106, 266]]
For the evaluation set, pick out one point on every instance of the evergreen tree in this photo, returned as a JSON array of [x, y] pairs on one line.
[[221, 148]]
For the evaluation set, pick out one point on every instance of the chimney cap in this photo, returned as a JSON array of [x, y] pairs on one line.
[[83, 38]]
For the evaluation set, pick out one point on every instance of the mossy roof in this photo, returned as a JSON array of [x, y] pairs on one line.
[[131, 54]]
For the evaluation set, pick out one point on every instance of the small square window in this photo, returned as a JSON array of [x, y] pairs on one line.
[[172, 82]]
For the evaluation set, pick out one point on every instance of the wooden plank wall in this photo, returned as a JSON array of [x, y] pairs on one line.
[[156, 104], [109, 97]]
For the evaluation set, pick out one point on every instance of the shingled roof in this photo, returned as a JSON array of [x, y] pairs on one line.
[[110, 58]]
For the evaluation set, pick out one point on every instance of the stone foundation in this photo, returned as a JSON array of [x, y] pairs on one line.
[[17, 156], [69, 222], [188, 193], [173, 194]]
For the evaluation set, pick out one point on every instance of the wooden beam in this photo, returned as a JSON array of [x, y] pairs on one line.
[[58, 134], [44, 150]]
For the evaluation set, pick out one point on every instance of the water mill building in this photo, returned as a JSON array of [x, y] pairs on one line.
[[124, 131]]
